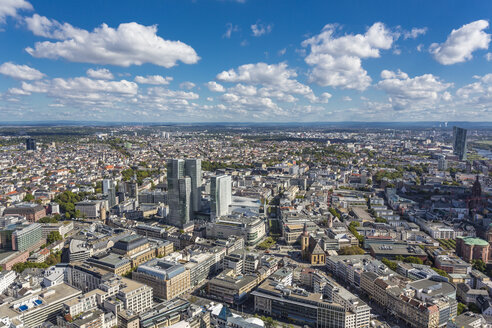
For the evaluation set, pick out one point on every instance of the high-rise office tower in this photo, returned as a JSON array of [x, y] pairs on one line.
[[106, 185], [459, 144], [112, 196], [184, 179], [179, 199], [193, 169], [442, 163], [220, 195], [31, 144]]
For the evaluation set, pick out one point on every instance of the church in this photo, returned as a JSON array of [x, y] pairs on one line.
[[311, 250]]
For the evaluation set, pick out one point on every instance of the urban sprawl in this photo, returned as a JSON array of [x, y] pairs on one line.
[[245, 227]]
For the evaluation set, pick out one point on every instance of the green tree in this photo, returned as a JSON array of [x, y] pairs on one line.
[[479, 265], [441, 272], [53, 236], [351, 250], [461, 308], [28, 198], [390, 264], [48, 219], [413, 259]]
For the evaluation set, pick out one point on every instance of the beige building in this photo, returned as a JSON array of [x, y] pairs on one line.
[[168, 279]]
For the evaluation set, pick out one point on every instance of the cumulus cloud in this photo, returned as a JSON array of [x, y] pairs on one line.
[[488, 56], [260, 29], [414, 33], [215, 87], [336, 61], [100, 74], [20, 72], [461, 43], [11, 7], [420, 92], [187, 85], [128, 44], [153, 79], [277, 76]]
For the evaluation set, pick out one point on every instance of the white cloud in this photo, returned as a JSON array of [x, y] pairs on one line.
[[20, 72], [420, 47], [282, 52], [187, 85], [11, 7], [461, 43], [100, 74], [347, 98], [420, 92], [488, 56], [336, 61], [260, 29], [215, 87], [128, 44], [414, 33], [244, 90], [230, 28], [277, 76], [153, 79], [210, 99]]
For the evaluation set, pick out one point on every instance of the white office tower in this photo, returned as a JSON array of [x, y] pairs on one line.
[[193, 169], [220, 195]]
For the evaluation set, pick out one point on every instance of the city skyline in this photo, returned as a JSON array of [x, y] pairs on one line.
[[245, 61]]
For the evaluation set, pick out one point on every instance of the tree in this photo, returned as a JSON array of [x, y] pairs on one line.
[[53, 236], [441, 272], [351, 250], [390, 264], [479, 265], [461, 308], [28, 198], [48, 219], [413, 259]]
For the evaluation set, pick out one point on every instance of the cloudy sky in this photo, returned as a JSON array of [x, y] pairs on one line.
[[245, 60]]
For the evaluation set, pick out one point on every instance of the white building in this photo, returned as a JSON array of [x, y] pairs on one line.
[[220, 195], [6, 279]]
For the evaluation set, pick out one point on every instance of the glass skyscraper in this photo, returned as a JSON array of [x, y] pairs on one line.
[[184, 180], [459, 144]]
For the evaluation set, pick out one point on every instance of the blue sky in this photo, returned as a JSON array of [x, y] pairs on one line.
[[245, 61]]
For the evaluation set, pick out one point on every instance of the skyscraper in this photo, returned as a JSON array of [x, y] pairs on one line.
[[184, 179], [220, 195], [193, 169], [31, 144], [459, 144], [106, 185]]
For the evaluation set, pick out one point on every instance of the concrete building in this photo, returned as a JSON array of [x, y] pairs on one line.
[[168, 279], [230, 287], [91, 209], [32, 212], [252, 229], [40, 307], [330, 308], [6, 279]]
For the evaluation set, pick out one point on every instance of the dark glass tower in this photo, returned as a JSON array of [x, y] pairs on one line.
[[459, 144]]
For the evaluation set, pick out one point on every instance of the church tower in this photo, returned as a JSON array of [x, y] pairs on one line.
[[304, 241]]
